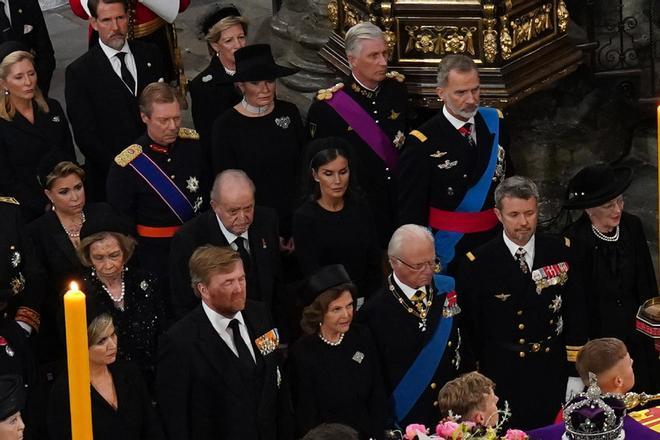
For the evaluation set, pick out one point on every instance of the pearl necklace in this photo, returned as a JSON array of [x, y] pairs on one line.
[[254, 109], [604, 237], [117, 301], [75, 231], [334, 344]]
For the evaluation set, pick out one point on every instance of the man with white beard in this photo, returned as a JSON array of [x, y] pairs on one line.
[[451, 164]]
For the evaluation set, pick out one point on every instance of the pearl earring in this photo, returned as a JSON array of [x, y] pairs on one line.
[[6, 92]]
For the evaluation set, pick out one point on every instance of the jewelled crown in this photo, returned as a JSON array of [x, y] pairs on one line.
[[594, 416]]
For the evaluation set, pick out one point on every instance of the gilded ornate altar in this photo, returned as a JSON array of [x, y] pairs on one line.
[[519, 45]]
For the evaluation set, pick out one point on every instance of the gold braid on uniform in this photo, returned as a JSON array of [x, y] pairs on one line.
[[188, 133]]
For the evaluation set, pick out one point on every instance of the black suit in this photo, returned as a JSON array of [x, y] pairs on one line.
[[104, 114], [399, 340], [28, 27], [437, 170], [204, 392], [521, 337], [264, 274], [23, 145]]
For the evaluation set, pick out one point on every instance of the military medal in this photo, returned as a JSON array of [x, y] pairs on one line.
[[551, 275], [420, 308], [268, 342], [451, 307], [192, 184]]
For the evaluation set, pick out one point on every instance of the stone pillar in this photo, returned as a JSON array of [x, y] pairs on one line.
[[300, 29]]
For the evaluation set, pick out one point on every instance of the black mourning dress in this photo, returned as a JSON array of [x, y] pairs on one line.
[[268, 149], [619, 277], [134, 418], [140, 324], [345, 237], [338, 384]]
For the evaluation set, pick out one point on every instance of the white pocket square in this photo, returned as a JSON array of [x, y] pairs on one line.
[[27, 28]]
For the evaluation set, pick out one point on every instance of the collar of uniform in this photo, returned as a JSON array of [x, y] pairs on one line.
[[363, 90], [230, 236], [406, 289], [453, 120], [219, 321], [529, 248], [110, 52], [157, 148]]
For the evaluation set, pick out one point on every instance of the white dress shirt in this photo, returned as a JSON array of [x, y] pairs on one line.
[[129, 59], [231, 237], [407, 290], [457, 123], [221, 325], [529, 248]]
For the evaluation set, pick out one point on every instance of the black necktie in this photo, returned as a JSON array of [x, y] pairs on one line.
[[243, 352], [125, 74], [466, 131], [245, 255], [5, 24], [520, 257]]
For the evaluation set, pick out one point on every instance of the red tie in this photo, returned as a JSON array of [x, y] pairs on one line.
[[466, 131]]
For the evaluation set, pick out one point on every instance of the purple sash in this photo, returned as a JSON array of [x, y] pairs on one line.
[[362, 123]]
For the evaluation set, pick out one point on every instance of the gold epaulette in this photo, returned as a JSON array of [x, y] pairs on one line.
[[325, 94], [470, 256], [127, 156], [567, 242], [499, 113], [419, 135], [188, 133], [572, 352], [400, 77], [11, 200]]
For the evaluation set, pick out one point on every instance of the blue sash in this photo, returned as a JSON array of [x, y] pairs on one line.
[[421, 372], [473, 201], [157, 180]]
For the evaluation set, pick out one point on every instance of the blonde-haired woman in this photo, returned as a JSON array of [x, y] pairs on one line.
[[31, 128], [121, 406], [212, 91]]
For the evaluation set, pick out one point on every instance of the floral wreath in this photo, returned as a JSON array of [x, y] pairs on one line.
[[452, 428]]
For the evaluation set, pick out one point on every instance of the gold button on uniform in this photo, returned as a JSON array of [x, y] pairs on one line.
[[519, 312], [522, 354], [172, 176], [449, 344], [521, 341], [536, 347], [433, 386], [552, 321], [435, 403], [521, 326], [547, 349]]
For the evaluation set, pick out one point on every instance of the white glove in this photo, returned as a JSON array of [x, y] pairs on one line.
[[574, 386]]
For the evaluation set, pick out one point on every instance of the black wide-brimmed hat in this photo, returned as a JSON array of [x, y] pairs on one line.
[[11, 46], [215, 14], [12, 395], [323, 279], [255, 63], [596, 184], [109, 222]]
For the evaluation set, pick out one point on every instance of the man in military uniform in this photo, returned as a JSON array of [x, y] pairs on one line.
[[524, 309], [21, 281], [158, 182], [369, 110], [414, 325], [101, 91], [451, 164]]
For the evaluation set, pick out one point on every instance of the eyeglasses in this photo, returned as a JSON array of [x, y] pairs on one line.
[[610, 206], [433, 264]]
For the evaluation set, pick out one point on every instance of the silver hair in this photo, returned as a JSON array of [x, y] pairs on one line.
[[519, 187], [405, 233], [229, 174], [357, 34], [460, 63]]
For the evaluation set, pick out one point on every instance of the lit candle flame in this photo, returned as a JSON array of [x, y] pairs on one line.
[[73, 285]]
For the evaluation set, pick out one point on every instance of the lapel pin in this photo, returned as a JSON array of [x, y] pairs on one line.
[[263, 243]]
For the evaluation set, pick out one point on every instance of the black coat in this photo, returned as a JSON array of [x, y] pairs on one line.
[[134, 419], [211, 93], [388, 107], [618, 278], [23, 146], [521, 338], [203, 390], [399, 339], [28, 27], [61, 265], [265, 267], [423, 184], [341, 384], [104, 114]]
